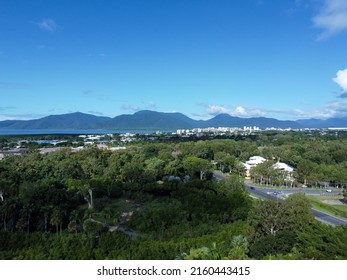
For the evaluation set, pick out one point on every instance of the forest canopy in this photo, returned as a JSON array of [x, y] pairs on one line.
[[160, 200]]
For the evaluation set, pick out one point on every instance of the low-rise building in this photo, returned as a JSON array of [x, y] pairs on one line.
[[284, 167], [253, 161]]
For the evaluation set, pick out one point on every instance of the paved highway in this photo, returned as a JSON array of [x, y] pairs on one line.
[[300, 190], [320, 216], [328, 219], [267, 193]]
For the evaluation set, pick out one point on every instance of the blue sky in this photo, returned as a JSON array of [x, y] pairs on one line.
[[285, 59]]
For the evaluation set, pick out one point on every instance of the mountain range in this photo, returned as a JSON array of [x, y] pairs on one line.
[[161, 121]]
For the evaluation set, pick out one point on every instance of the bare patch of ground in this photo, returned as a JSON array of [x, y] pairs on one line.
[[333, 201]]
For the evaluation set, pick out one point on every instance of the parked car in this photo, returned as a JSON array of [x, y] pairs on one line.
[[329, 190]]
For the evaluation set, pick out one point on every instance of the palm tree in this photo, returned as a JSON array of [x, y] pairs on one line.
[[57, 219]]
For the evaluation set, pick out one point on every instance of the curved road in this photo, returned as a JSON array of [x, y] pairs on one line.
[[320, 216], [267, 193]]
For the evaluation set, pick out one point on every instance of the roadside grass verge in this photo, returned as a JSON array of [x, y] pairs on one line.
[[337, 210], [283, 187]]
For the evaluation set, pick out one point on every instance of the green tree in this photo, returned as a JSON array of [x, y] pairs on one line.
[[174, 168], [219, 160], [272, 245], [154, 169], [196, 165], [230, 162], [133, 171], [272, 216], [84, 188], [306, 171], [57, 219], [239, 248], [93, 227], [203, 150], [203, 253], [268, 216], [299, 212], [262, 172]]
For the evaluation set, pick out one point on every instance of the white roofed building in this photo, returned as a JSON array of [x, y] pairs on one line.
[[278, 173], [287, 171], [284, 167], [253, 161]]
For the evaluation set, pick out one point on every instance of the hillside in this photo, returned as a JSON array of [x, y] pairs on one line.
[[150, 120], [66, 121], [159, 120], [225, 120], [317, 123]]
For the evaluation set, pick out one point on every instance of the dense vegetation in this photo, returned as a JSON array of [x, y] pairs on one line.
[[158, 200]]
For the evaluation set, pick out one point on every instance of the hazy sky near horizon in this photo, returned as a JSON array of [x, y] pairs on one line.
[[285, 59]]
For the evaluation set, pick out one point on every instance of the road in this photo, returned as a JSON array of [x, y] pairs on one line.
[[320, 216], [300, 190], [267, 193]]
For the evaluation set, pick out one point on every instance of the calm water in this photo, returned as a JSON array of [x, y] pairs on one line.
[[77, 131]]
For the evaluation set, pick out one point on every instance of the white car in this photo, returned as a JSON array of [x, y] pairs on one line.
[[329, 191]]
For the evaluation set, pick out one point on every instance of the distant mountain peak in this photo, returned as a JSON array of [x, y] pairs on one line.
[[147, 119]]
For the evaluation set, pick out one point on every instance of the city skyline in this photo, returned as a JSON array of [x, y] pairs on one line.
[[250, 58]]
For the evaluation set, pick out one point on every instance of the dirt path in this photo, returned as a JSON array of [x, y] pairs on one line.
[[125, 218], [123, 221], [121, 225]]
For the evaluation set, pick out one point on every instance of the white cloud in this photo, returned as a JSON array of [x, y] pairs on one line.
[[239, 111], [335, 109], [152, 105], [341, 80], [5, 118], [332, 18], [216, 110], [22, 117], [48, 25], [129, 107]]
